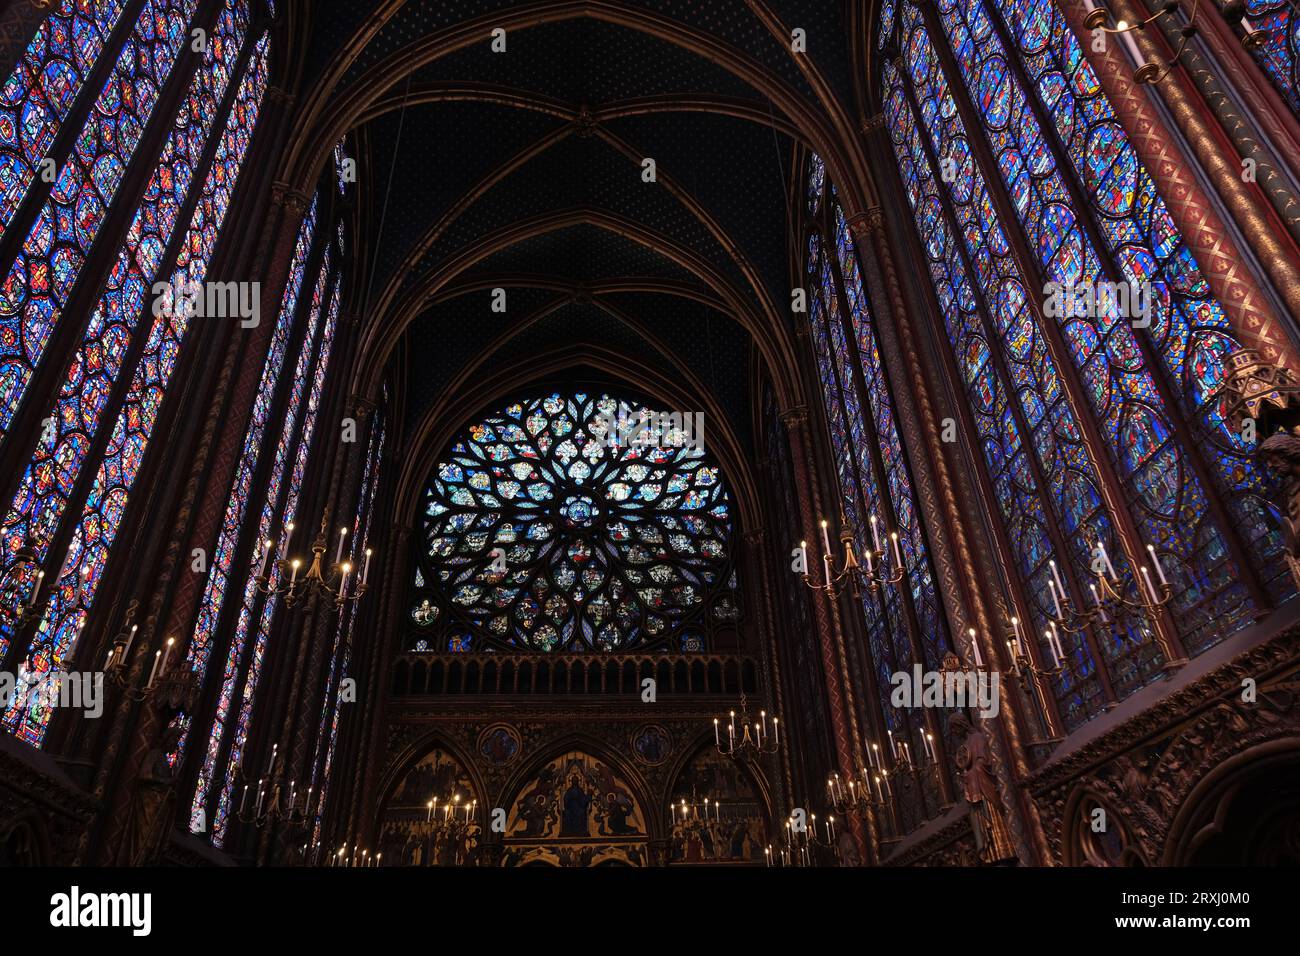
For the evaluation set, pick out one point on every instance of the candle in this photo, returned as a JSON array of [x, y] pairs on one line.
[[270, 765], [875, 753], [1056, 661], [266, 553], [36, 588], [1055, 599], [343, 582], [293, 578], [284, 540], [975, 647], [109, 660], [261, 794], [892, 749], [166, 654], [1056, 576], [875, 535], [733, 723], [762, 714], [929, 745], [717, 741], [1015, 630], [1056, 643], [776, 731], [1126, 38], [244, 799], [338, 555], [130, 640], [1105, 559], [1146, 576], [1160, 571], [1097, 598], [898, 555], [826, 541], [157, 656], [365, 571]]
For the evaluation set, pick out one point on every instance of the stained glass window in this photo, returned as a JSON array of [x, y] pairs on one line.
[[873, 474], [1279, 54], [41, 503], [251, 629], [221, 571], [40, 92], [341, 656], [550, 526], [1088, 402], [36, 287]]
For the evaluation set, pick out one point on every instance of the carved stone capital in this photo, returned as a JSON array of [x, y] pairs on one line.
[[863, 224], [795, 417], [873, 123]]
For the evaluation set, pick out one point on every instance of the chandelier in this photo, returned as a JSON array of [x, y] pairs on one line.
[[851, 574], [1113, 603], [751, 737], [332, 585]]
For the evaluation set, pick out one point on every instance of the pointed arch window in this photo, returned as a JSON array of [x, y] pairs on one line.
[[73, 495], [252, 619], [905, 623], [1092, 428]]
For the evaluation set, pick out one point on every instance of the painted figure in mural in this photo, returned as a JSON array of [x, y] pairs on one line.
[[577, 806]]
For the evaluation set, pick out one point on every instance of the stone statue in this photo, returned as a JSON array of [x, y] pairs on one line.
[[980, 788]]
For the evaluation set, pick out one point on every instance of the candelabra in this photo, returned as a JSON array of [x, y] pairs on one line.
[[802, 841], [24, 572], [270, 804], [294, 591], [1113, 605], [175, 687], [1153, 70], [852, 574], [752, 738]]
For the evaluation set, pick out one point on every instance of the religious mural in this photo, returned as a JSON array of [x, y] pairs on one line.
[[433, 817], [576, 812], [716, 815]]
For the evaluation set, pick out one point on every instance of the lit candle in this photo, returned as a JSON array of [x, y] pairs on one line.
[[293, 578], [266, 553], [717, 741], [733, 723], [1097, 598], [1056, 641], [166, 654], [1056, 576], [762, 714], [1105, 559], [892, 749], [1160, 571], [776, 731], [1056, 661], [1015, 630], [130, 640], [157, 656], [244, 799], [365, 571], [1146, 576], [929, 745], [830, 828], [338, 555], [343, 582], [1056, 601], [284, 540], [875, 535], [975, 647], [1126, 38], [109, 660], [826, 541], [898, 555], [875, 753]]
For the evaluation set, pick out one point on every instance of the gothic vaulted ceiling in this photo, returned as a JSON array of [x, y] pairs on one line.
[[523, 170]]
